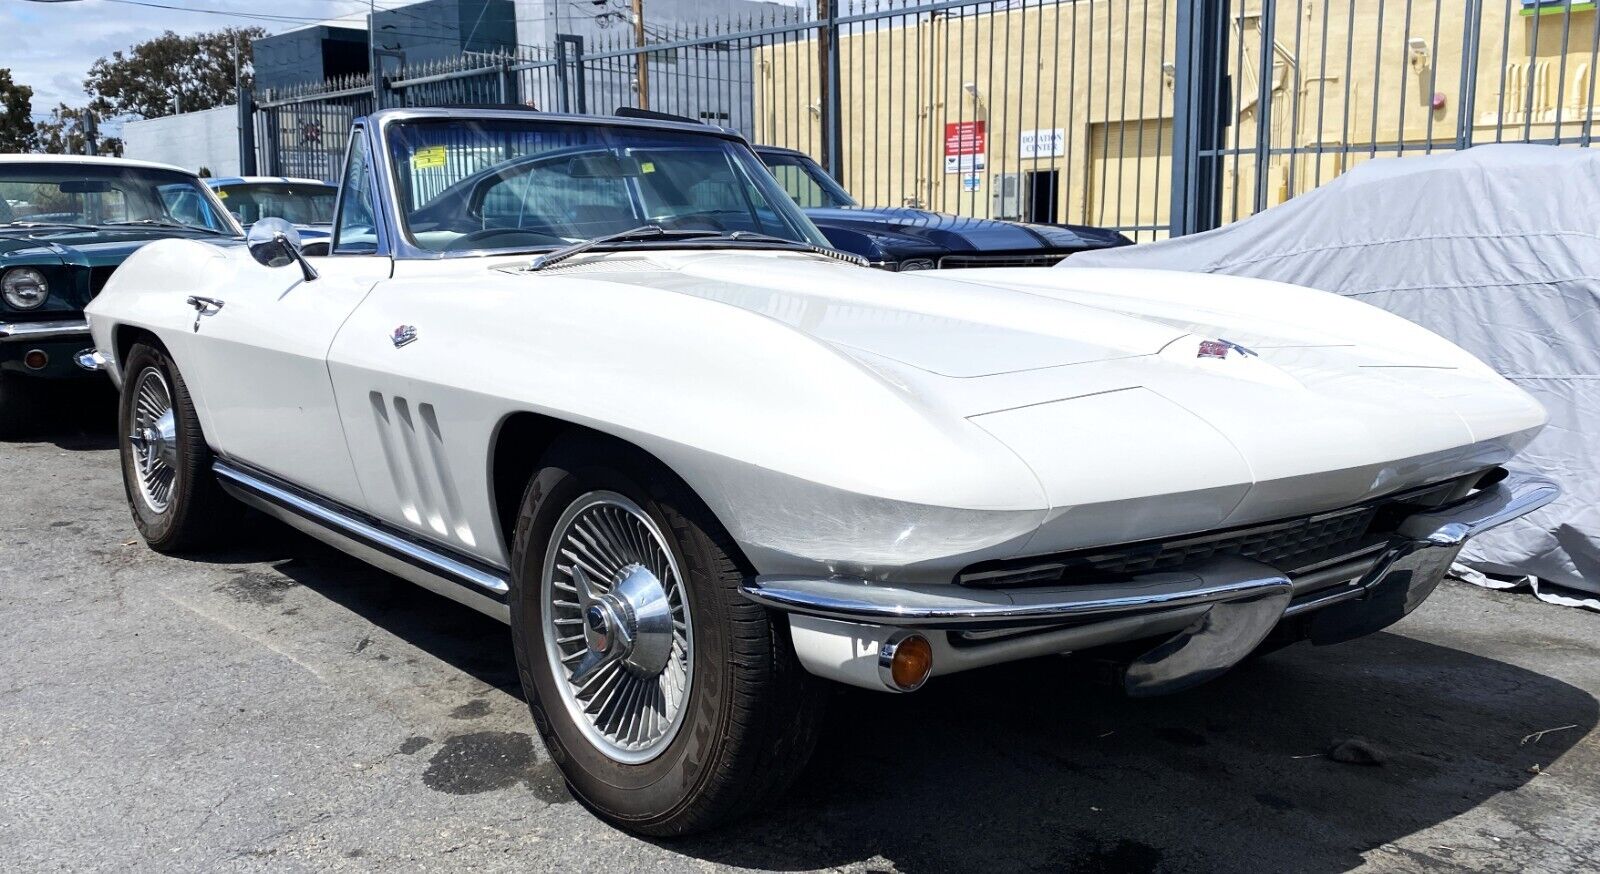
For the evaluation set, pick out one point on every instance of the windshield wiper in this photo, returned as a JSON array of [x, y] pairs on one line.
[[159, 223], [77, 225], [797, 245], [646, 233], [632, 235]]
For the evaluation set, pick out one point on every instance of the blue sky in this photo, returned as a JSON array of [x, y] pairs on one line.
[[51, 45]]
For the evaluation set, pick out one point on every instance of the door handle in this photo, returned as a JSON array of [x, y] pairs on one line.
[[204, 306]]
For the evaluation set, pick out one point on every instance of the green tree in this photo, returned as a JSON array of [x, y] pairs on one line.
[[198, 69], [63, 133], [16, 114]]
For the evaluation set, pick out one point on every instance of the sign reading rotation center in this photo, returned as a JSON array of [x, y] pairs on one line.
[[965, 144]]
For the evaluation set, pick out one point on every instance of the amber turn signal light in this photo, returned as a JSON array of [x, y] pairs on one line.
[[905, 661]]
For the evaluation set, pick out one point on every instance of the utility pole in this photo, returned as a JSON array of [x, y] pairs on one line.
[[641, 60]]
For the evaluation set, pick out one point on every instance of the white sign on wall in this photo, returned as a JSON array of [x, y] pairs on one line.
[[1050, 143]]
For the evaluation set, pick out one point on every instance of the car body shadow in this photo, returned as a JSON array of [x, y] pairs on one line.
[[1031, 767], [73, 414]]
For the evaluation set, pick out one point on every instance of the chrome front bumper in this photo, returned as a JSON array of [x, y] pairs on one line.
[[22, 332], [1226, 606]]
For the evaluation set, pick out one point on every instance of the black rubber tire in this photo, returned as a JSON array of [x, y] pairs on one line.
[[753, 711], [198, 508], [18, 409]]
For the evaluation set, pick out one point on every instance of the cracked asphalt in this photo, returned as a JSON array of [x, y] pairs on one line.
[[276, 705]]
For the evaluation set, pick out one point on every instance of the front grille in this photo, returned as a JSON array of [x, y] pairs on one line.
[[1288, 547], [1031, 259], [1292, 546]]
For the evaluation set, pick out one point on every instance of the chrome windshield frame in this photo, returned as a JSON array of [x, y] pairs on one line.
[[393, 241]]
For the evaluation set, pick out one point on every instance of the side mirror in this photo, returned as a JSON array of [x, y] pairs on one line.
[[274, 242]]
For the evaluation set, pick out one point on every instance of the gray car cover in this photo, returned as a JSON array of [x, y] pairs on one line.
[[1496, 248]]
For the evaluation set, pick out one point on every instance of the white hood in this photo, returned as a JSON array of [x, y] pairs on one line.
[[1094, 378]]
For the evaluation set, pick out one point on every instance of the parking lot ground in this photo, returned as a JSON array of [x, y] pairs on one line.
[[276, 705]]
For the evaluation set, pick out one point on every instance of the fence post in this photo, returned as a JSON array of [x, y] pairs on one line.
[[274, 141], [1268, 24], [247, 131], [582, 82], [563, 99], [832, 126], [1466, 103], [1199, 114]]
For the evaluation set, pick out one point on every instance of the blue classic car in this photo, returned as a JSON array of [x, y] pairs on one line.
[[904, 238], [305, 203], [66, 222]]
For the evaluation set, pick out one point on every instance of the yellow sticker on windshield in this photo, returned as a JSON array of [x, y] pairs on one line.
[[428, 158], [647, 167], [222, 193]]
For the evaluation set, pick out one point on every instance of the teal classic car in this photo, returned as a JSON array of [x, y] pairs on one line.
[[66, 222]]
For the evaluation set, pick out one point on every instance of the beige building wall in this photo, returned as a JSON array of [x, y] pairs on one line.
[[1349, 80]]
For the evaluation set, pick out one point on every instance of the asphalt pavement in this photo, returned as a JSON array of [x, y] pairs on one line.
[[275, 705]]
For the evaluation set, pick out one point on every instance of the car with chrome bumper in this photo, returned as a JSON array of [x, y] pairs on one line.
[[601, 379], [66, 222]]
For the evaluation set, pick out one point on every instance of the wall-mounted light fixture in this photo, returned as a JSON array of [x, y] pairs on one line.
[[1420, 56]]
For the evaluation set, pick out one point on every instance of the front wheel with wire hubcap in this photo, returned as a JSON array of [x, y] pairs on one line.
[[669, 701], [166, 464]]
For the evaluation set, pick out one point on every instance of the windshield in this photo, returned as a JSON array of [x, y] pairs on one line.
[[104, 195], [534, 184], [806, 181], [300, 203]]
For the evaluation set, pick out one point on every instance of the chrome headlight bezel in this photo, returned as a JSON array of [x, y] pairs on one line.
[[24, 288]]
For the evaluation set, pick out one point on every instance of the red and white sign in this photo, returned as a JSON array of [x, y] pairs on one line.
[[965, 145]]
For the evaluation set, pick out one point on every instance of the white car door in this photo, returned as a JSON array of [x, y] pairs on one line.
[[261, 352], [260, 362]]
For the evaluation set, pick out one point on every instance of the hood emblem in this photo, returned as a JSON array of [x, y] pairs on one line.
[[1220, 349], [403, 335]]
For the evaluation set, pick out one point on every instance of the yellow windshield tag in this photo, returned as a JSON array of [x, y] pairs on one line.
[[647, 167], [221, 193], [428, 158]]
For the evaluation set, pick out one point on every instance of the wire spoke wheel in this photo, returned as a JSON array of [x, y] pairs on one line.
[[617, 628], [153, 436]]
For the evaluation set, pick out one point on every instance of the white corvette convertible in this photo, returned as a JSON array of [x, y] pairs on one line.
[[600, 378]]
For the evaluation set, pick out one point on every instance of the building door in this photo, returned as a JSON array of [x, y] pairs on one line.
[[1043, 187]]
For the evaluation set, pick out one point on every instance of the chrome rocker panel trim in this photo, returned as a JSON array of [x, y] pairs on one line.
[[1228, 605], [18, 332], [431, 566]]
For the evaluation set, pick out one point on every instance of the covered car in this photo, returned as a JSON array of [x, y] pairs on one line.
[[906, 238], [1496, 248]]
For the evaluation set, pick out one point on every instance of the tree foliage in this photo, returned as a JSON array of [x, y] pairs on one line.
[[199, 69], [64, 131], [16, 114]]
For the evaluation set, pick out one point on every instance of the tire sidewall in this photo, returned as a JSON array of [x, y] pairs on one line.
[[657, 788], [156, 528]]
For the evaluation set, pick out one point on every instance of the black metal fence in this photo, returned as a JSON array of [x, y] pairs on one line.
[[1155, 117]]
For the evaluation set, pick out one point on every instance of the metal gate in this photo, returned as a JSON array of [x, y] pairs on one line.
[[1154, 117]]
